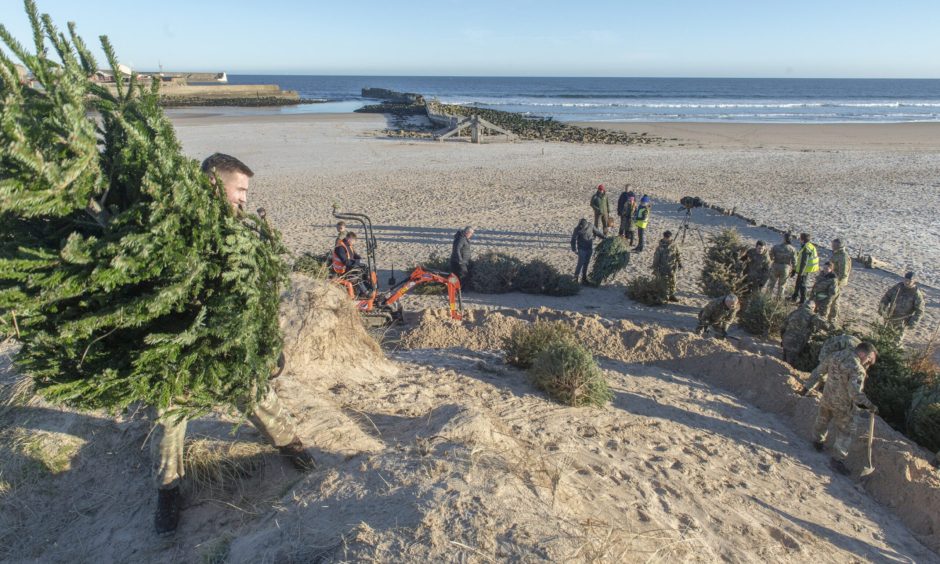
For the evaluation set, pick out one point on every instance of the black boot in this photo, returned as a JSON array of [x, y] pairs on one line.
[[298, 455], [819, 446], [839, 467], [167, 517]]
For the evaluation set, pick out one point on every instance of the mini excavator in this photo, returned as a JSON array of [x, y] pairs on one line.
[[384, 308]]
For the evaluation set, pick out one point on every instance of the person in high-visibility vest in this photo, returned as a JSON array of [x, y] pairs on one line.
[[807, 262], [344, 256], [641, 220]]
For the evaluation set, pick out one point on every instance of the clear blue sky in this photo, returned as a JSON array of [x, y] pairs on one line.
[[755, 38]]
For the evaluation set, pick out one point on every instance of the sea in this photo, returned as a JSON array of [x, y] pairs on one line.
[[749, 100]]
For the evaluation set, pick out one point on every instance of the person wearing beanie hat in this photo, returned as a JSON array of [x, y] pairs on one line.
[[601, 208], [641, 220], [902, 306]]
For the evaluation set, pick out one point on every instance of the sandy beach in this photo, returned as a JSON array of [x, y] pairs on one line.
[[442, 451], [529, 195]]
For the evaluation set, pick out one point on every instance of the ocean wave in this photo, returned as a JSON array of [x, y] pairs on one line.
[[693, 105]]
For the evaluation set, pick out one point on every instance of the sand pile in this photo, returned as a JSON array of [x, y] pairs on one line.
[[324, 339], [904, 480]]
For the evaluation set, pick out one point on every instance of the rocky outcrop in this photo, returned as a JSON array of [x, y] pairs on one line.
[[392, 96]]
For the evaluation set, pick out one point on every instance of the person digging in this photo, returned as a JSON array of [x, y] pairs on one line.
[[268, 415], [718, 315], [842, 398]]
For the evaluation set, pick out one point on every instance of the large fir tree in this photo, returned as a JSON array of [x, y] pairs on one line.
[[123, 270]]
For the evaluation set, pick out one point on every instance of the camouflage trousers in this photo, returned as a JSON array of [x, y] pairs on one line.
[[670, 280], [169, 435], [824, 307], [842, 423], [778, 279], [833, 308]]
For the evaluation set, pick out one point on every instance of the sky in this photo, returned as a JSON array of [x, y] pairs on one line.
[[672, 38]]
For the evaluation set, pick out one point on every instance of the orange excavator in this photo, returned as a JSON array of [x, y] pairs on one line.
[[362, 283]]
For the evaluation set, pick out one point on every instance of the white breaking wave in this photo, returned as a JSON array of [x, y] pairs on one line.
[[696, 105]]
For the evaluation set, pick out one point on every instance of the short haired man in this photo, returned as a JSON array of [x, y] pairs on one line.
[[460, 254], [783, 257], [902, 305], [807, 262], [268, 415], [718, 315], [340, 232], [666, 264]]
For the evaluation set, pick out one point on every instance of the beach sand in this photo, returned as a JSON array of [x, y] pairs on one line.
[[447, 453], [526, 197]]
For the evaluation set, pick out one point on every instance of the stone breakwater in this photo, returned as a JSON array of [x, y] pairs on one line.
[[524, 127]]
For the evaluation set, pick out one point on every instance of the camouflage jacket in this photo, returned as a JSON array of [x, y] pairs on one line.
[[783, 253], [799, 327], [832, 345], [902, 304], [841, 265], [825, 287], [599, 203], [758, 263], [666, 259], [716, 312], [845, 381]]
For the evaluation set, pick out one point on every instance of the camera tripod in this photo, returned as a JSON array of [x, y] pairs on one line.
[[684, 227]]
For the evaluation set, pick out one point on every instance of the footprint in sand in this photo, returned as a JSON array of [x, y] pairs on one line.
[[783, 538]]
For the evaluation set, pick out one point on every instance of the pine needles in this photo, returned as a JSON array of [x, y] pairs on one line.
[[131, 278], [610, 257], [723, 273]]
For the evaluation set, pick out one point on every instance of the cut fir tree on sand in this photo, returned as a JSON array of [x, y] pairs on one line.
[[129, 277]]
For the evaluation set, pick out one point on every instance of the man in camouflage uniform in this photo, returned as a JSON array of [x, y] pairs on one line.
[[757, 262], [902, 305], [842, 398], [601, 208], [832, 345], [666, 263], [268, 415], [825, 290], [798, 328], [783, 258], [842, 268], [718, 315]]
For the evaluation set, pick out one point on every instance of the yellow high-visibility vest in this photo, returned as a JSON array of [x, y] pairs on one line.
[[809, 258], [642, 217]]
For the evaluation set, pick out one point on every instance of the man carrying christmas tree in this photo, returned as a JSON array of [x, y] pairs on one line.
[[267, 415]]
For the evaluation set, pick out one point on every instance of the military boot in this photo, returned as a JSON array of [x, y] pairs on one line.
[[298, 455], [839, 467], [167, 517]]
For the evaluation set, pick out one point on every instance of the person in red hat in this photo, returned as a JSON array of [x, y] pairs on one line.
[[601, 208]]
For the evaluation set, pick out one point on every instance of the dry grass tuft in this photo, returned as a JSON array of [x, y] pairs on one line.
[[214, 466]]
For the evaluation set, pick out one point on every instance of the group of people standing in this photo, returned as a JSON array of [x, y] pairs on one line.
[[634, 219]]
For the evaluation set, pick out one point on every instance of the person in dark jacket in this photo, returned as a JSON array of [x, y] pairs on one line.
[[601, 208], [582, 242], [460, 254], [626, 208]]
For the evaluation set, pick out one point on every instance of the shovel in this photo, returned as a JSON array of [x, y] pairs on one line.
[[870, 469]]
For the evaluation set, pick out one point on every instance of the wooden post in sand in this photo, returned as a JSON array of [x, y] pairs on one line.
[[477, 128]]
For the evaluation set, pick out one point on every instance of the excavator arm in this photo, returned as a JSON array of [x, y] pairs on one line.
[[421, 276]]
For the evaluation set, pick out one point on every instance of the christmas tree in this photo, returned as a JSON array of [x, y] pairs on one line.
[[124, 272]]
